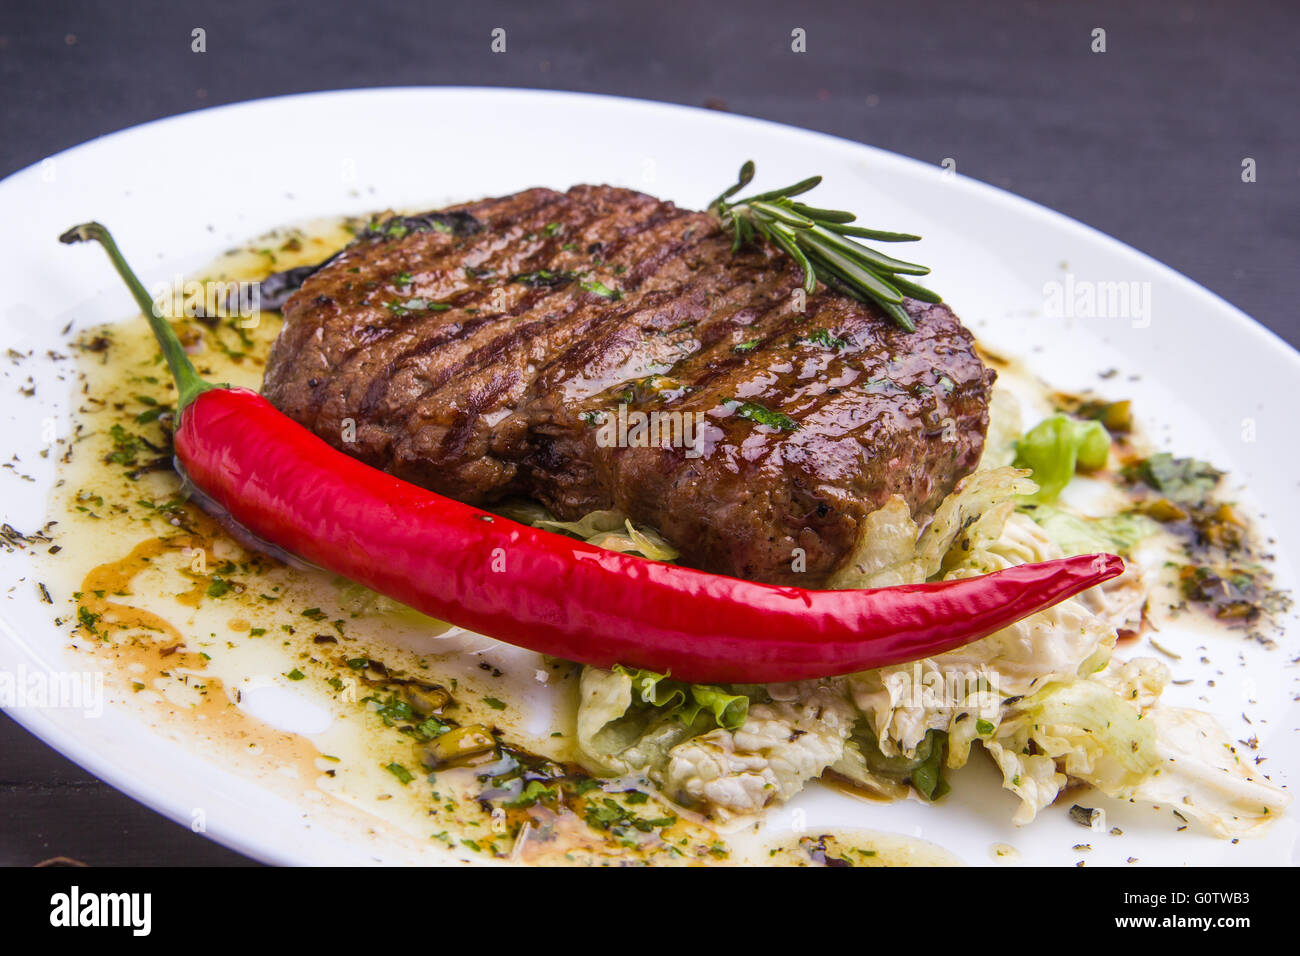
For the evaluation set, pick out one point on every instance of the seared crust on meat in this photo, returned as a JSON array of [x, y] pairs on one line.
[[481, 362]]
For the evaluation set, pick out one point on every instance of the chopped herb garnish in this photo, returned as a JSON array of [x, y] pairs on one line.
[[432, 727], [393, 709], [415, 305], [608, 814], [825, 339], [86, 618], [152, 414], [544, 278], [596, 287], [126, 447], [533, 792], [763, 416]]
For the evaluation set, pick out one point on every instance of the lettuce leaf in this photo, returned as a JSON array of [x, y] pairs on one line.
[[1034, 778], [608, 529], [864, 762], [1076, 534], [885, 552], [1202, 776], [1093, 734], [617, 735], [1005, 429], [889, 551], [629, 719], [973, 515], [1057, 446], [927, 777], [670, 696], [728, 710], [654, 689], [782, 744]]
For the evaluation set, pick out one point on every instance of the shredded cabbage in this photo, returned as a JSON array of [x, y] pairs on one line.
[[615, 737], [1075, 534], [605, 529], [1004, 430], [971, 516], [889, 551], [780, 747], [1093, 734], [629, 719], [1202, 777], [863, 762], [885, 553], [1042, 697]]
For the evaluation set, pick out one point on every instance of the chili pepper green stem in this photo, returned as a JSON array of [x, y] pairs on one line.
[[188, 383]]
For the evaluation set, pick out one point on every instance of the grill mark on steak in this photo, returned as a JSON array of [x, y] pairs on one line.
[[538, 299], [487, 398]]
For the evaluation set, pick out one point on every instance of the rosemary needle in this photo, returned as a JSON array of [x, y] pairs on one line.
[[821, 242]]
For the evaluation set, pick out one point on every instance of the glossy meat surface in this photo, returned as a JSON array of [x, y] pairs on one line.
[[485, 353]]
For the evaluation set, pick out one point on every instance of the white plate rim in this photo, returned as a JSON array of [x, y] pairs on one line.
[[118, 776]]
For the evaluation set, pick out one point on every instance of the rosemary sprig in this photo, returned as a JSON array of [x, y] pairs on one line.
[[822, 242]]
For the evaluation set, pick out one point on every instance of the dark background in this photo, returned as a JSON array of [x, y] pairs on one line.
[[1144, 142]]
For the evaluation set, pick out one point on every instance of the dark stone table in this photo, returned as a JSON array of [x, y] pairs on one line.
[[1144, 141]]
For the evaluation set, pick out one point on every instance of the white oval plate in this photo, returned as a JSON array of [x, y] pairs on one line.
[[1211, 383]]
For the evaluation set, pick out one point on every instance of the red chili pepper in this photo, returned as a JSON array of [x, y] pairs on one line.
[[550, 593]]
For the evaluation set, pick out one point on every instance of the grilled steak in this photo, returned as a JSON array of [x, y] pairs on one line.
[[484, 352]]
